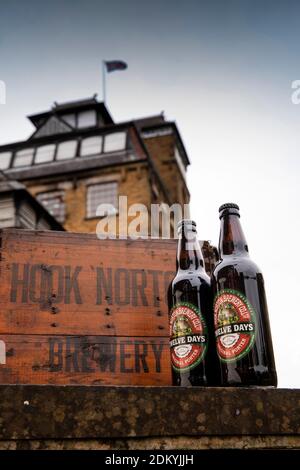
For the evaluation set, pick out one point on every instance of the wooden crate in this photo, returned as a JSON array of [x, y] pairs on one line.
[[78, 310]]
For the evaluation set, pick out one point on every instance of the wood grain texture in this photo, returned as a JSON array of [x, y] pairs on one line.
[[87, 298], [68, 284], [85, 360]]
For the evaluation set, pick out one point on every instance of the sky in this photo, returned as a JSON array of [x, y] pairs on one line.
[[223, 71]]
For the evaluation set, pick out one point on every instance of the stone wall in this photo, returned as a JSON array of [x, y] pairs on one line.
[[77, 417], [162, 148]]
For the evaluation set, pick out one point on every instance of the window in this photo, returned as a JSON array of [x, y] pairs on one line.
[[45, 154], [66, 150], [91, 146], [5, 160], [54, 203], [87, 119], [104, 193], [114, 142], [23, 157]]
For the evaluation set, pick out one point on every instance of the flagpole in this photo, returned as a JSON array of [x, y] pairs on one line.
[[103, 82]]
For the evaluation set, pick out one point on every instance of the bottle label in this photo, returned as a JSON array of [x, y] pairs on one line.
[[188, 337], [234, 319]]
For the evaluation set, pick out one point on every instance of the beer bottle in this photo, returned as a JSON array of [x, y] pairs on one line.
[[192, 346], [242, 330]]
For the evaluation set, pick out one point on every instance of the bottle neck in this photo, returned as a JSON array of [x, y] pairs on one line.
[[232, 239], [189, 254]]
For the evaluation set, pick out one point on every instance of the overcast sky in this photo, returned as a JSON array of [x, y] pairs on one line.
[[223, 71]]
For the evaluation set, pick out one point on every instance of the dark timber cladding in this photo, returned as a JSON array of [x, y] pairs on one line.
[[75, 309]]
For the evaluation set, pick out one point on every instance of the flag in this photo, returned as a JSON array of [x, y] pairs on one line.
[[113, 65]]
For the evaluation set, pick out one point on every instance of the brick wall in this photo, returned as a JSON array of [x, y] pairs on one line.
[[161, 149], [156, 181], [133, 181]]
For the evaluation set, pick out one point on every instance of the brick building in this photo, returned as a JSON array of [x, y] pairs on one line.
[[78, 157], [19, 209]]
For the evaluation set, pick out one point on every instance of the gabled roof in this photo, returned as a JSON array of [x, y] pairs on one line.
[[135, 149], [72, 106], [52, 125]]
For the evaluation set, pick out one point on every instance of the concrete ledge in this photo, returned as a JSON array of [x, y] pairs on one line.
[[134, 416], [158, 443]]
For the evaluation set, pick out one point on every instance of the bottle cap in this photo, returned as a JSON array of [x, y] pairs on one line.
[[229, 205], [186, 222], [229, 208]]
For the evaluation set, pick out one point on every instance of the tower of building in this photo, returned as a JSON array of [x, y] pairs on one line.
[[78, 158]]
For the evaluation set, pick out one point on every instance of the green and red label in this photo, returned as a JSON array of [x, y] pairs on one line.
[[234, 319], [188, 336]]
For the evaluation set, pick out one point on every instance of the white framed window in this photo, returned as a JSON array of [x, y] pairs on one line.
[[66, 150], [54, 202], [115, 141], [5, 158], [102, 193], [23, 157], [86, 119], [91, 146], [44, 154]]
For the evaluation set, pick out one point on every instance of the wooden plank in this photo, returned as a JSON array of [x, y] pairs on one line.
[[89, 360], [61, 283], [78, 310]]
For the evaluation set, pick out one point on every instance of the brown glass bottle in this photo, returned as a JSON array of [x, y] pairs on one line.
[[242, 329], [193, 356]]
